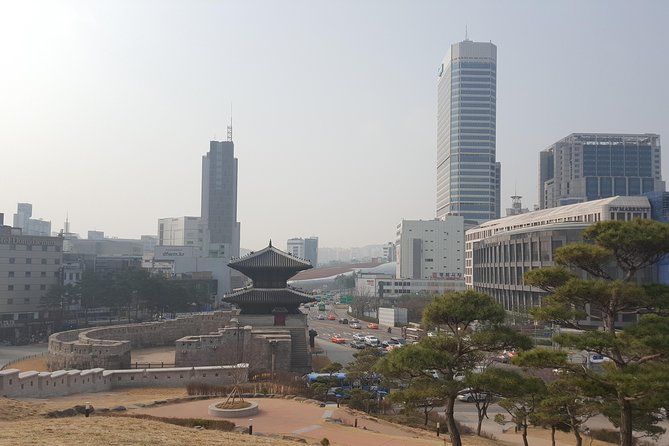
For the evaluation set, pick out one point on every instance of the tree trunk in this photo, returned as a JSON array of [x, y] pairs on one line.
[[525, 435], [478, 426], [553, 435], [450, 422], [577, 435], [626, 437], [425, 412]]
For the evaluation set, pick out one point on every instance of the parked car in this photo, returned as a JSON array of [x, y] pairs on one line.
[[470, 396], [337, 339], [343, 321], [372, 340], [389, 343], [359, 337], [332, 317], [353, 321], [373, 326], [355, 325], [596, 358], [320, 317], [358, 344]]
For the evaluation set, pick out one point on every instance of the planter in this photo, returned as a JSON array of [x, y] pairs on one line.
[[233, 413]]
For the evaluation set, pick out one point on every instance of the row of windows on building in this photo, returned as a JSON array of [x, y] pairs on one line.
[[26, 287], [30, 274], [45, 248], [29, 261], [10, 301]]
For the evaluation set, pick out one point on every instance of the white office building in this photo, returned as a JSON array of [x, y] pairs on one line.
[[431, 249], [468, 175], [304, 248], [180, 231], [28, 225], [500, 252]]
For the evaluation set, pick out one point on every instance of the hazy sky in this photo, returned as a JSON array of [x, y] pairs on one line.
[[106, 107]]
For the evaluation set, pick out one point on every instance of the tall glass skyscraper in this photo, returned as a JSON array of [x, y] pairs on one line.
[[468, 175]]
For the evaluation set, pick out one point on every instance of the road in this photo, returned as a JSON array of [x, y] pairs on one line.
[[341, 353]]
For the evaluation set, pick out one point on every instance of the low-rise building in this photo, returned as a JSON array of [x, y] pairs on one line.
[[500, 252]]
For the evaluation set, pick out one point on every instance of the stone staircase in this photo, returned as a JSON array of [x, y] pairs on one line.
[[300, 357]]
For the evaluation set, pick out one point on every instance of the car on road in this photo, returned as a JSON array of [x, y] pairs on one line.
[[343, 321], [337, 339], [320, 317], [332, 317], [359, 337], [354, 321], [355, 325], [470, 396], [372, 340], [596, 358], [358, 344], [373, 326]]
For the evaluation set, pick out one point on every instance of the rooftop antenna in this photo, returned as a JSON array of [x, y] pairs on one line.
[[230, 126], [466, 33]]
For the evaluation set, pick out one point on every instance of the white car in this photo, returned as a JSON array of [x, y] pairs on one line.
[[358, 337], [468, 396], [372, 340], [355, 325], [320, 317]]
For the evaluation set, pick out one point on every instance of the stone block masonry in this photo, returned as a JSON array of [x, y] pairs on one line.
[[109, 347], [17, 384]]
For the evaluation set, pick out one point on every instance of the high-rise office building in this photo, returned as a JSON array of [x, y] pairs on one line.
[[468, 175], [306, 248], [28, 225], [219, 201], [589, 166]]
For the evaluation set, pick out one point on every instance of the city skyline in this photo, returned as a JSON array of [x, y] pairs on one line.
[[107, 106]]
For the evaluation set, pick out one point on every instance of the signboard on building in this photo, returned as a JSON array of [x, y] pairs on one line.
[[173, 252]]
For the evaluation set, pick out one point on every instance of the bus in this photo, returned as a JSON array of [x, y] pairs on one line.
[[321, 306]]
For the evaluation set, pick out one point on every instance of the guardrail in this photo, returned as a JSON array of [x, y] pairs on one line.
[[24, 358], [151, 365]]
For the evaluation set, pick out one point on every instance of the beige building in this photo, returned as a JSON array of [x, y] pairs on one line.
[[29, 265]]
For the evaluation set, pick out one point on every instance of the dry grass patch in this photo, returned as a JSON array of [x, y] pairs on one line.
[[99, 430], [38, 364]]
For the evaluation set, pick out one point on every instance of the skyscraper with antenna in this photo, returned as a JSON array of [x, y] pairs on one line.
[[221, 230]]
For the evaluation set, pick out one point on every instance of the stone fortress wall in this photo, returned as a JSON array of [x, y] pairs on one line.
[[109, 347], [17, 384], [256, 340]]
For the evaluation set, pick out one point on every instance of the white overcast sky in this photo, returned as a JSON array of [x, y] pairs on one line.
[[106, 107]]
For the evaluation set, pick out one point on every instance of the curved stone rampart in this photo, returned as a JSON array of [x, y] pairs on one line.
[[109, 347]]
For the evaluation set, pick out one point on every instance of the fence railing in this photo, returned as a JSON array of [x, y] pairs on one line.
[[151, 365], [24, 358]]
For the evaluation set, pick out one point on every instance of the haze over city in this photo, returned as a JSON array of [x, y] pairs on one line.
[[108, 107]]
